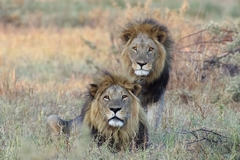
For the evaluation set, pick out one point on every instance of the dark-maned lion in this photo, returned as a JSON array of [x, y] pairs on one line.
[[146, 57], [113, 113]]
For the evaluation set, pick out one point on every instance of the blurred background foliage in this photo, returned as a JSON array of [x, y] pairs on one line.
[[72, 13]]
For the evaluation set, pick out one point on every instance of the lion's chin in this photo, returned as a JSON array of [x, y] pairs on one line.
[[141, 72], [115, 122]]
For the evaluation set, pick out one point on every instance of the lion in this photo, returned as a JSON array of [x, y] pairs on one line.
[[112, 112], [146, 56]]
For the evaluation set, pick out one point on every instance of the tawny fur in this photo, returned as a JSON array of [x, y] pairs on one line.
[[154, 84], [133, 132], [159, 34]]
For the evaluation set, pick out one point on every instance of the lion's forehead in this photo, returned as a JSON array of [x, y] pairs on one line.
[[116, 91], [143, 43], [142, 35]]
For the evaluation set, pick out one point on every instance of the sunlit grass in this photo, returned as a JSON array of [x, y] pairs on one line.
[[44, 69]]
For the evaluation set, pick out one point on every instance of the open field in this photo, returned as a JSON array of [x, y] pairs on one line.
[[50, 49]]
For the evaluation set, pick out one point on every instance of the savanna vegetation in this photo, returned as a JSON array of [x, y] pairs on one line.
[[50, 49]]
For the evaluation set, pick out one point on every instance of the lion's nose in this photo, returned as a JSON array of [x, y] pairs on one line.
[[141, 63], [115, 110]]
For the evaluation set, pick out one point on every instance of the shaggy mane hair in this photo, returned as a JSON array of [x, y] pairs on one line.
[[153, 85], [134, 132]]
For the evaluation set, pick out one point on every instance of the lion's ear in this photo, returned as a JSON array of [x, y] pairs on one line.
[[136, 89], [93, 89], [125, 36], [161, 36]]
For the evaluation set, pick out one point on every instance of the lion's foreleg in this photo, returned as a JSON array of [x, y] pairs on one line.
[[154, 112], [150, 113], [159, 111]]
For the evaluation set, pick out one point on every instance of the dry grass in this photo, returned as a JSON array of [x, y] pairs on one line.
[[44, 70]]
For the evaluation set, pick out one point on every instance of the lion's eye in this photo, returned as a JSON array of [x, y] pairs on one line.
[[134, 48], [150, 49], [124, 97], [106, 98]]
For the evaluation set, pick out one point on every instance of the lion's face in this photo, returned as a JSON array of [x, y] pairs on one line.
[[142, 53], [114, 112], [116, 105], [146, 49]]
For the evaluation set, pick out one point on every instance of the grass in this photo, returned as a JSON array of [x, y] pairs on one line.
[[61, 13], [49, 50]]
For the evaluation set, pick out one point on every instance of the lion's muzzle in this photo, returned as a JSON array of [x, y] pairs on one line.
[[141, 68], [141, 72], [115, 122], [115, 119]]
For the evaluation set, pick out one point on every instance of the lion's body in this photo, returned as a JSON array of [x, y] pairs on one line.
[[146, 57], [113, 113]]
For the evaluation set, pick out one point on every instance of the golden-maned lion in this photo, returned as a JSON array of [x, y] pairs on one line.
[[146, 56], [113, 113]]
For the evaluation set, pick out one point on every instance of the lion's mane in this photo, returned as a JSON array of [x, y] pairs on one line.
[[134, 132], [154, 84]]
